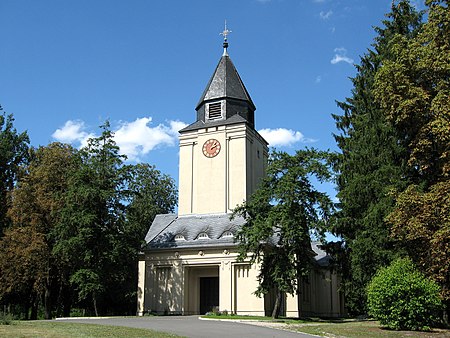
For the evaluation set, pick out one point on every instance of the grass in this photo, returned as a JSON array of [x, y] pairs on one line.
[[339, 328], [360, 329], [52, 329]]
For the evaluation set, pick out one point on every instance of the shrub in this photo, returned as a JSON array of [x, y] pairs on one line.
[[401, 298], [6, 318]]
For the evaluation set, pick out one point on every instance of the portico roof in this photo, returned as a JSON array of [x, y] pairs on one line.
[[215, 229]]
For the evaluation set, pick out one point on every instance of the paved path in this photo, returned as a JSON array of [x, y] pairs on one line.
[[191, 326]]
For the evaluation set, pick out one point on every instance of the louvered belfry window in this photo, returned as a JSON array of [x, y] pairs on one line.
[[215, 111]]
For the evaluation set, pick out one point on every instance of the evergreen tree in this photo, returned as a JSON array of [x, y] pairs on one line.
[[108, 207], [13, 154], [279, 218], [93, 219], [371, 164]]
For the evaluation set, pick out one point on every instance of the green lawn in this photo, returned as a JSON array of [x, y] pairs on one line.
[[52, 329], [340, 328], [362, 329]]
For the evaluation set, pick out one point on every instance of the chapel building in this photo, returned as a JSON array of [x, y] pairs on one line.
[[188, 265]]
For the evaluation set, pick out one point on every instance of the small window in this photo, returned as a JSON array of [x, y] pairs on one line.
[[179, 237], [214, 111], [203, 235], [227, 234]]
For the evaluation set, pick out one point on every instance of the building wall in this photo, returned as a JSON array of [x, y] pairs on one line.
[[219, 184], [319, 295], [171, 285]]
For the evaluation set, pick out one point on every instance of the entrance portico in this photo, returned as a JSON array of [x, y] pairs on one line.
[[202, 288]]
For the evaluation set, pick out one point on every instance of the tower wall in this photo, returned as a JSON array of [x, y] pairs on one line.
[[218, 184]]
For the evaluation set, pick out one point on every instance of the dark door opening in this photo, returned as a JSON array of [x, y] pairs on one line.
[[209, 294]]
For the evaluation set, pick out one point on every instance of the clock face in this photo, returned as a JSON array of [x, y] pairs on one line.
[[211, 148]]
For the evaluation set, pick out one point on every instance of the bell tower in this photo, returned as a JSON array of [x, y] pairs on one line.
[[222, 156]]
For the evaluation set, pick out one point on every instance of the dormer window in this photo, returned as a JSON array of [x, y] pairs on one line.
[[203, 235], [215, 111], [179, 237], [227, 234]]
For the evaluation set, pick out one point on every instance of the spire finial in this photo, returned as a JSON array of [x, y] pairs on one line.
[[225, 39]]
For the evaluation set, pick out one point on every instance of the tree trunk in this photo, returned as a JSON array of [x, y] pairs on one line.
[[26, 307], [446, 312], [66, 300], [299, 297], [95, 304], [47, 303], [34, 306], [277, 305]]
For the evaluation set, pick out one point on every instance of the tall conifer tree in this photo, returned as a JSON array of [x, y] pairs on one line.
[[371, 163]]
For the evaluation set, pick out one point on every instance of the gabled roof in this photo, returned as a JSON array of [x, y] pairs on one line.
[[225, 83]]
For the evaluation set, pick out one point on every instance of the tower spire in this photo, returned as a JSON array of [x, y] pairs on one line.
[[225, 39]]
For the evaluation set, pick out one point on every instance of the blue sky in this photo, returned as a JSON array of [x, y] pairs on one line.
[[67, 66]]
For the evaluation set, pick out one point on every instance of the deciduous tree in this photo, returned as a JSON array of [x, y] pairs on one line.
[[413, 89], [36, 205]]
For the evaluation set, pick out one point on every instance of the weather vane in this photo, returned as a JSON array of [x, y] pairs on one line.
[[225, 40], [225, 32]]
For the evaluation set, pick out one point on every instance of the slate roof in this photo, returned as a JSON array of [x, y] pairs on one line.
[[235, 119], [225, 83], [165, 227]]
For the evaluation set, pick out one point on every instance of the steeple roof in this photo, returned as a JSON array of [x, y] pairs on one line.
[[225, 99], [225, 83]]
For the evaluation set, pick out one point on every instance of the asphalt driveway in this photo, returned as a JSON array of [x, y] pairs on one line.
[[192, 326]]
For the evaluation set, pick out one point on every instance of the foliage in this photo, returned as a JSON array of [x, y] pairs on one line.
[[279, 217], [402, 298], [36, 206], [152, 193], [422, 223], [23, 266], [85, 214], [371, 164], [92, 219], [6, 318], [413, 88], [107, 210], [13, 154]]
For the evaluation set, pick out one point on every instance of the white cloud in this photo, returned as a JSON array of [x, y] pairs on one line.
[[135, 139], [138, 138], [283, 137], [318, 79], [318, 1], [325, 15], [341, 56], [73, 131]]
